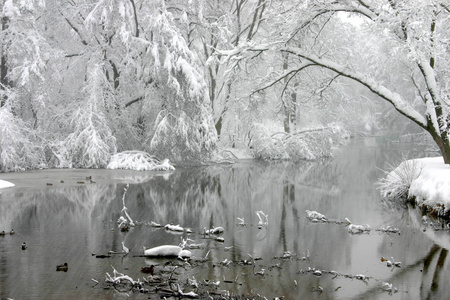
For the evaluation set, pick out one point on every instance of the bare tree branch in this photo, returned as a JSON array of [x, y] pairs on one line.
[[290, 74]]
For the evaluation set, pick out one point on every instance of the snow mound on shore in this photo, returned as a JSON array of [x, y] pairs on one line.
[[139, 161], [5, 184], [432, 186]]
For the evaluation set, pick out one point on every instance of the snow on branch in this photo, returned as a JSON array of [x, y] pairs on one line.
[[395, 99], [288, 73]]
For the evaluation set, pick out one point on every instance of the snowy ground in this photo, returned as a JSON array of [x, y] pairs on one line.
[[432, 186]]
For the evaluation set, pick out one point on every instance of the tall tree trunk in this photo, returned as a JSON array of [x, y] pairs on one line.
[[3, 65], [289, 102], [443, 144]]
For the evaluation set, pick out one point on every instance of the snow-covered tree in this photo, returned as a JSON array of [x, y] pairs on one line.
[[91, 143], [154, 69], [23, 65], [415, 32], [209, 26], [95, 77]]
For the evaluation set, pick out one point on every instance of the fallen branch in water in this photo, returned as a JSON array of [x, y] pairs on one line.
[[179, 293], [388, 287], [315, 217], [124, 209], [263, 219]]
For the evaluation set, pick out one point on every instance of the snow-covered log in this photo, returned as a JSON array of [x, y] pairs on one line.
[[167, 251], [177, 228]]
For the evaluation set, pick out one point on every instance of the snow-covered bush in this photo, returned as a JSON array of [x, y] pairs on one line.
[[139, 161], [396, 184], [309, 144], [298, 148], [265, 145], [19, 149]]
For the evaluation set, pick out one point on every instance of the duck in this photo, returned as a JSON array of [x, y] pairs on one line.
[[3, 233], [24, 246], [63, 267], [12, 231], [150, 269]]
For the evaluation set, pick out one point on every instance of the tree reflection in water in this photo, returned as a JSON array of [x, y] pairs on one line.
[[69, 223]]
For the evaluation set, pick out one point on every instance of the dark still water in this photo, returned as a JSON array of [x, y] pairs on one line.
[[295, 258]]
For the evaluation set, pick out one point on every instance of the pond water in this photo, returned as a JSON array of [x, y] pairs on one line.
[[69, 222]]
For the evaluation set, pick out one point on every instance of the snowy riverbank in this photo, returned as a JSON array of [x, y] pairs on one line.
[[432, 187], [426, 181]]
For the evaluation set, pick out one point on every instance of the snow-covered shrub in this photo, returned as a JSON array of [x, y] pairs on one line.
[[19, 149], [266, 146], [139, 161], [298, 148], [308, 144], [396, 184]]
